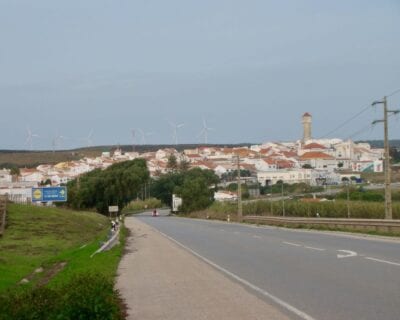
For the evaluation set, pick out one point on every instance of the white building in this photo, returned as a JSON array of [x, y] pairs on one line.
[[287, 176], [5, 175]]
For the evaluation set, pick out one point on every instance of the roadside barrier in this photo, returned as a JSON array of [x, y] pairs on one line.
[[379, 225], [3, 214]]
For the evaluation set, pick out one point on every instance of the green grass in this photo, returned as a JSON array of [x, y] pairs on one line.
[[37, 236]]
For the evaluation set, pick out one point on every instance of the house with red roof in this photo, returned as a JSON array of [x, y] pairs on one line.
[[318, 160]]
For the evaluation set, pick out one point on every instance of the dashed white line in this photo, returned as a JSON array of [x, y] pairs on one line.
[[384, 261], [314, 248], [292, 244], [257, 237], [236, 232]]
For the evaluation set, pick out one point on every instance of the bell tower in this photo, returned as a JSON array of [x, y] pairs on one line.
[[307, 121]]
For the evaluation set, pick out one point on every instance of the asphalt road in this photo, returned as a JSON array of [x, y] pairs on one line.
[[311, 275]]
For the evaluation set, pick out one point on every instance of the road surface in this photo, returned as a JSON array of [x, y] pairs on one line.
[[313, 275]]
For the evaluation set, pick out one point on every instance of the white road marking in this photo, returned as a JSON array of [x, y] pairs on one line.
[[313, 248], [236, 232], [347, 254], [292, 244], [282, 303], [257, 237], [384, 261], [221, 230]]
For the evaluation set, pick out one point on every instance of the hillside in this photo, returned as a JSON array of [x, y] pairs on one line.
[[30, 159], [36, 235]]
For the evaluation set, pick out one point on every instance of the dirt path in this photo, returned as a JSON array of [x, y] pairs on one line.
[[159, 280]]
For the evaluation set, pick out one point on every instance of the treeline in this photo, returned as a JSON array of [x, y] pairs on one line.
[[117, 185], [195, 187]]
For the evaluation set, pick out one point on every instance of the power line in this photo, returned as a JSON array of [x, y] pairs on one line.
[[360, 131], [346, 122], [393, 93], [370, 126]]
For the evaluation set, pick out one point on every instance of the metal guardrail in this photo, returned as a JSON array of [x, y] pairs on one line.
[[351, 224], [3, 213]]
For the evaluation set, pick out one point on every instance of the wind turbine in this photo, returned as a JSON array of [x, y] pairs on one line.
[[144, 135], [204, 131], [89, 139], [175, 128], [57, 140], [133, 135], [29, 138]]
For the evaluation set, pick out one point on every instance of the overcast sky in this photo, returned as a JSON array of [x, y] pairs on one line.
[[250, 68]]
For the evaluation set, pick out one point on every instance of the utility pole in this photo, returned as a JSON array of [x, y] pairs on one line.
[[386, 167], [348, 200], [283, 202], [240, 208]]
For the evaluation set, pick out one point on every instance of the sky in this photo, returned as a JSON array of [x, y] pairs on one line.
[[99, 70]]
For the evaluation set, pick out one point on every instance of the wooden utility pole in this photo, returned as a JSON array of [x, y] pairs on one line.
[[240, 207], [386, 167]]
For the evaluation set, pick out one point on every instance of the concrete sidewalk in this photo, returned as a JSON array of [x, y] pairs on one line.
[[159, 280]]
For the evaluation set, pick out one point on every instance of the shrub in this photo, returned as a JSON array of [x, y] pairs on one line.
[[86, 296], [139, 205]]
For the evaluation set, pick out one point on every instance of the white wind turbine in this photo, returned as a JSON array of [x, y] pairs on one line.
[[29, 137], [144, 135], [57, 141], [204, 131], [89, 139], [133, 136], [175, 128]]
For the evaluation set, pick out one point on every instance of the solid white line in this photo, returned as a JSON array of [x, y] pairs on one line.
[[282, 303], [313, 248], [292, 244], [384, 261]]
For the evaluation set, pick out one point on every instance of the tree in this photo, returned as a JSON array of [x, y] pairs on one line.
[[172, 163], [15, 171], [117, 185], [184, 165], [194, 186], [306, 166], [340, 165]]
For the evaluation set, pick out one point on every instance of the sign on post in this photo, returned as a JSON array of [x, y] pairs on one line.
[[112, 209], [49, 194]]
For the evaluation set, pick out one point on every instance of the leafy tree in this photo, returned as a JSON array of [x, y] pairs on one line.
[[306, 166], [172, 163], [195, 186], [117, 185], [15, 171], [184, 165]]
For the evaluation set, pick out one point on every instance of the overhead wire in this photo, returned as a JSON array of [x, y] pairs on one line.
[[346, 122], [393, 93]]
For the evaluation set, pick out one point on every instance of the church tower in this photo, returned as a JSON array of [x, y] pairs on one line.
[[307, 120]]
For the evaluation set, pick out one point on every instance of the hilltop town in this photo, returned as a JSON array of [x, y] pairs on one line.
[[308, 160]]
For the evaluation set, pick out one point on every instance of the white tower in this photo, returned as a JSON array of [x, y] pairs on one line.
[[307, 121]]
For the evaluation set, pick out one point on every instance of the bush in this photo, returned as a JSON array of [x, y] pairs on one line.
[[140, 205], [86, 296], [293, 208]]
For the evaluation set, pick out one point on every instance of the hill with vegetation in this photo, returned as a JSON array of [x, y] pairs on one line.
[[46, 266], [31, 159]]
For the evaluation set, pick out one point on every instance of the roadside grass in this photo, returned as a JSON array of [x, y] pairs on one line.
[[35, 235], [72, 284]]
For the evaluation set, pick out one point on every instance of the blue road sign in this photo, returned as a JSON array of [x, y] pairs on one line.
[[47, 194]]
